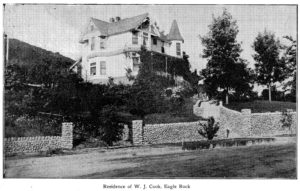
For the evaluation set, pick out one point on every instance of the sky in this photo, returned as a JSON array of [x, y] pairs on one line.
[[57, 27]]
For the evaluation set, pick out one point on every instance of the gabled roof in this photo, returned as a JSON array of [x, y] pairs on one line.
[[123, 25], [174, 33]]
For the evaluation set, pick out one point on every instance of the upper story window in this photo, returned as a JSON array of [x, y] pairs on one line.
[[102, 43], [135, 38], [162, 49], [93, 43], [93, 69], [86, 43], [178, 50], [154, 41], [102, 68], [91, 27], [145, 38]]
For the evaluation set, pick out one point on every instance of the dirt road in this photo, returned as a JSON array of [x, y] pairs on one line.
[[267, 160]]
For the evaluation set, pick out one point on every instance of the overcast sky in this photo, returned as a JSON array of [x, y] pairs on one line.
[[57, 27]]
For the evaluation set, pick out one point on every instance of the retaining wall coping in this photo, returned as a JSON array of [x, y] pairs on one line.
[[230, 110], [272, 113], [172, 124], [32, 138]]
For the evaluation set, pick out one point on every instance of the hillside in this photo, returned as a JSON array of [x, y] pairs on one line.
[[29, 54], [33, 65]]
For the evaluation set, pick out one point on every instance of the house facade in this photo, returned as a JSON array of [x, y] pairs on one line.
[[110, 49]]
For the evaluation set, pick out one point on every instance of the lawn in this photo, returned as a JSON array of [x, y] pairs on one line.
[[265, 161], [261, 106], [186, 115]]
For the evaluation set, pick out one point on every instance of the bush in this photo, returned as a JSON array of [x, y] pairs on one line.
[[176, 104], [210, 129], [26, 126], [110, 127]]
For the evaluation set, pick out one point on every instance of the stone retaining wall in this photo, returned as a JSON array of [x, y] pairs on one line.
[[269, 124], [171, 132], [164, 133], [247, 124], [15, 145], [233, 124]]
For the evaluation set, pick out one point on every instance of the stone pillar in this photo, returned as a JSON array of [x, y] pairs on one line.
[[246, 121], [125, 136], [221, 103], [67, 135], [137, 132]]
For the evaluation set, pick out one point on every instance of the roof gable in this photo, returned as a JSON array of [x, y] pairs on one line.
[[107, 29]]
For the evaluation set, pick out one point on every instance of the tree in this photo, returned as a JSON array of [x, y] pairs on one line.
[[268, 67], [225, 69], [290, 60], [210, 129]]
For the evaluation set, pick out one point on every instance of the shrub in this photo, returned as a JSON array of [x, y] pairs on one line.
[[287, 120], [210, 129], [26, 126], [110, 127], [176, 104]]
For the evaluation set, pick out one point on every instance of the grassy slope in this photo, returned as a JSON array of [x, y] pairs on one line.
[[28, 54], [268, 161], [185, 116], [262, 106]]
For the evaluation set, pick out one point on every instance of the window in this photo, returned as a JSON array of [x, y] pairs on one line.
[[135, 61], [102, 68], [154, 41], [178, 51], [93, 69], [135, 38], [162, 49], [93, 43], [102, 43], [145, 38], [86, 43]]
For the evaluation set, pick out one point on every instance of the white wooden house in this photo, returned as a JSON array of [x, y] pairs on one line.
[[109, 48]]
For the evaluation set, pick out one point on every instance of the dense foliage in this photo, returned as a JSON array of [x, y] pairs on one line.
[[225, 69]]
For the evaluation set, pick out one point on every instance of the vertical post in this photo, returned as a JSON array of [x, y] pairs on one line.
[[166, 66], [7, 48], [137, 132], [67, 135], [246, 121]]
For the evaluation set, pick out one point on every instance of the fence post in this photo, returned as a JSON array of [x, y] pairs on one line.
[[67, 135], [137, 132], [246, 121]]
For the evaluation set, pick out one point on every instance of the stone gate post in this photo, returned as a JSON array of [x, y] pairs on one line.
[[137, 132], [67, 135]]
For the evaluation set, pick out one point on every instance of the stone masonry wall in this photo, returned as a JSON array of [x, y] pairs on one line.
[[171, 132], [269, 124], [247, 124], [234, 122], [14, 145]]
